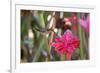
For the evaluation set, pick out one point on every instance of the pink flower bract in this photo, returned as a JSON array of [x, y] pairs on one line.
[[85, 23], [66, 44]]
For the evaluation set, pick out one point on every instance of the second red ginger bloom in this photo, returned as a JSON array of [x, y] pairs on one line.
[[66, 44]]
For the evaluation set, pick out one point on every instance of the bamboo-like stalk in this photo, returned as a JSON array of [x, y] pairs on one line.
[[54, 18], [85, 45], [81, 39], [42, 19], [51, 37]]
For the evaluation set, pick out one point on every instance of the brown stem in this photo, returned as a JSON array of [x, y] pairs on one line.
[[55, 17]]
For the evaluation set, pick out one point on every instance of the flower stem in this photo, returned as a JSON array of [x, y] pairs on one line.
[[63, 57]]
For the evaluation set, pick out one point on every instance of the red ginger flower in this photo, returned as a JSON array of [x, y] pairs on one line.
[[66, 44]]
